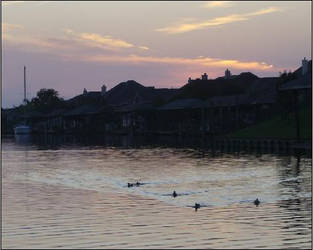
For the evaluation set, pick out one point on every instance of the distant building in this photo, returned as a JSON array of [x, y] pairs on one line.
[[227, 74]]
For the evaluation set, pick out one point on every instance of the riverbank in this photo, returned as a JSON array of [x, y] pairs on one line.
[[280, 127], [205, 142]]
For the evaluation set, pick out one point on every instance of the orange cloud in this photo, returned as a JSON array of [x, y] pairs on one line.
[[36, 43], [186, 27], [203, 61], [143, 47], [105, 42], [72, 41], [72, 49]]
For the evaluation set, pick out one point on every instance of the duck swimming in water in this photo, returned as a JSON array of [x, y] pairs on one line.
[[197, 205], [257, 202], [130, 185], [174, 194]]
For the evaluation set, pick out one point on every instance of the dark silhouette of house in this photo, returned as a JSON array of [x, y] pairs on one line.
[[298, 92], [204, 89], [214, 106], [132, 92]]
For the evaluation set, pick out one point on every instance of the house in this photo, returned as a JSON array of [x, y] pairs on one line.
[[137, 117], [299, 89], [180, 116], [82, 118]]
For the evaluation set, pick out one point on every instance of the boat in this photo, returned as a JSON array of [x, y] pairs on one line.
[[22, 130]]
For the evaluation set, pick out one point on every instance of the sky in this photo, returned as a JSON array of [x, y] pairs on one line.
[[69, 46]]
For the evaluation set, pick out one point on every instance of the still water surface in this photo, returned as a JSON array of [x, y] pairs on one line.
[[76, 196]]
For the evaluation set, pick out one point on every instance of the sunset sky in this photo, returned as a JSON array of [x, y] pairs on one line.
[[71, 45]]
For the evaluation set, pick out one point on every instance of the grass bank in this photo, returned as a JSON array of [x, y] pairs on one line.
[[280, 127]]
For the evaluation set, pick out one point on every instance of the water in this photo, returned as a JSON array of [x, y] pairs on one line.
[[75, 195]]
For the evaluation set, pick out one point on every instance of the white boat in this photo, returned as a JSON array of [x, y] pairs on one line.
[[22, 130]]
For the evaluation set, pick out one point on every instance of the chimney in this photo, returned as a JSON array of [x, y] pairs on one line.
[[305, 66], [204, 77], [227, 74], [103, 90]]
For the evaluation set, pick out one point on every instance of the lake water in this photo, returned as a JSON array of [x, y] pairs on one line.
[[75, 195]]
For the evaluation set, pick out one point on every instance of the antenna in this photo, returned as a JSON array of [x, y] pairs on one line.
[[25, 84]]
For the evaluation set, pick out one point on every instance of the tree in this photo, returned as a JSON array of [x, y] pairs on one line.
[[46, 100], [286, 77]]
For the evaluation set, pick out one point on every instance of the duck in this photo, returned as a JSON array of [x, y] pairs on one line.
[[174, 194], [257, 202], [138, 183], [197, 206], [130, 185]]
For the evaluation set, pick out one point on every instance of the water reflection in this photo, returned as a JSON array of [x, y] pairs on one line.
[[72, 191], [23, 139], [202, 144]]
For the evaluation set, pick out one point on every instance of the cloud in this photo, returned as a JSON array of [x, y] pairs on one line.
[[98, 40], [69, 41], [143, 47], [85, 47], [264, 11], [186, 27], [199, 61], [104, 42], [217, 4], [77, 47]]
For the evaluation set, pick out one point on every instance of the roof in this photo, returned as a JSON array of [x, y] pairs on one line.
[[166, 94], [225, 101], [304, 82], [83, 110], [263, 90], [183, 104], [93, 94], [135, 107], [298, 71], [87, 96], [262, 85], [54, 113], [32, 114], [129, 92]]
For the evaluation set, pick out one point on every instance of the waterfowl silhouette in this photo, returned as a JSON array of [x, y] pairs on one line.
[[257, 202], [197, 205], [138, 183], [130, 185], [174, 194]]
